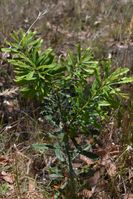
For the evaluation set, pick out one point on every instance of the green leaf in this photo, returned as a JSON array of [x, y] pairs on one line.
[[42, 147], [126, 80], [58, 152], [116, 75], [104, 103], [55, 176], [26, 59], [20, 78], [30, 76], [25, 89], [9, 50], [19, 63]]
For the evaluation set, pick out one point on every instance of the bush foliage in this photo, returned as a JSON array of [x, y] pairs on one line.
[[77, 93]]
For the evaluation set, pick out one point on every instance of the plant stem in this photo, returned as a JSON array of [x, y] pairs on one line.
[[18, 189], [83, 152], [38, 18], [72, 174]]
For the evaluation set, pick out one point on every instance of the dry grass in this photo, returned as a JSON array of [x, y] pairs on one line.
[[101, 25]]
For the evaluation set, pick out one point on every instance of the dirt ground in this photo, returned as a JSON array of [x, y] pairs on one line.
[[107, 28]]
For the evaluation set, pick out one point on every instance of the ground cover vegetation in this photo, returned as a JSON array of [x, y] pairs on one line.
[[62, 136], [73, 102]]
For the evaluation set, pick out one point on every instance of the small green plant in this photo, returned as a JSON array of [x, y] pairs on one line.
[[77, 94], [3, 189]]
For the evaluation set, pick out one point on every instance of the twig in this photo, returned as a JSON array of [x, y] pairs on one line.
[[40, 15], [128, 149]]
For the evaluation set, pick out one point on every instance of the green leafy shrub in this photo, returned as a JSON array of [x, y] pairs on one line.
[[35, 70], [76, 92]]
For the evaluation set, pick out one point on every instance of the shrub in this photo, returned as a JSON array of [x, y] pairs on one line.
[[77, 93]]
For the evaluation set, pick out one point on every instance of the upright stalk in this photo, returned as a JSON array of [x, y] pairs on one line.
[[71, 186]]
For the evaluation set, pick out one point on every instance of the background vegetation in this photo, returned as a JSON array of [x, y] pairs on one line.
[[29, 170]]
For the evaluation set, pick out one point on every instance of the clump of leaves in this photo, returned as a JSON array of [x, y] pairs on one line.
[[3, 189], [35, 70], [76, 92]]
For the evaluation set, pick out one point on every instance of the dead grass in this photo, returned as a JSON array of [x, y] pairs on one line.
[[101, 25]]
